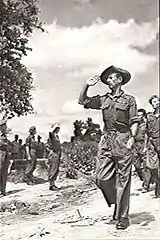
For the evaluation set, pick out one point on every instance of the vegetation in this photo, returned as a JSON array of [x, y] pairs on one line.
[[18, 19]]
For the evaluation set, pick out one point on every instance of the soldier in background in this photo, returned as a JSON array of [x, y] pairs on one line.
[[5, 148], [40, 147], [153, 132], [78, 130], [53, 148], [31, 154], [93, 131], [15, 147], [140, 152], [140, 143], [22, 150]]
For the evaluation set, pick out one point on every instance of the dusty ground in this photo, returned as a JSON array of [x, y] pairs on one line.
[[77, 212]]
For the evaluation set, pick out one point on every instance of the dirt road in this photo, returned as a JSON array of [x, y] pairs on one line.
[[77, 212]]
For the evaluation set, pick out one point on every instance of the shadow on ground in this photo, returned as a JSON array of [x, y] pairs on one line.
[[15, 191], [142, 217], [39, 181], [66, 187]]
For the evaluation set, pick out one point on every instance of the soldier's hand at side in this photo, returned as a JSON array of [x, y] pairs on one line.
[[93, 80], [144, 150], [29, 158], [130, 142]]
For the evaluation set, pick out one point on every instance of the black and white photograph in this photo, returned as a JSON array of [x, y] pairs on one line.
[[79, 120]]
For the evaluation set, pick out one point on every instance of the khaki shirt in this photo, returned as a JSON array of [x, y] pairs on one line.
[[31, 143], [15, 147], [118, 111], [153, 125], [54, 143]]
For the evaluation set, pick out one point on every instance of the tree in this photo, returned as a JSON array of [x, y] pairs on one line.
[[18, 19]]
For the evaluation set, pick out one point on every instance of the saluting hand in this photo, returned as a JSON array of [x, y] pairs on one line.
[[93, 80]]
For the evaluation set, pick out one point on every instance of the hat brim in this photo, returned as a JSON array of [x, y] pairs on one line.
[[55, 126], [112, 69]]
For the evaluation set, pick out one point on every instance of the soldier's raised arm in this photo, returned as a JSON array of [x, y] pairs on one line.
[[83, 94]]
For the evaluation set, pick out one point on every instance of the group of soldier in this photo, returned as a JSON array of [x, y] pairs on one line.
[[146, 158], [18, 149], [31, 150], [130, 137], [35, 149]]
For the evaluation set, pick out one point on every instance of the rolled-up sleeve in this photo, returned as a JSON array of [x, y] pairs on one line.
[[133, 112], [93, 102]]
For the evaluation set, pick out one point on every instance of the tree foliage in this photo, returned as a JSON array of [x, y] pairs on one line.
[[18, 19]]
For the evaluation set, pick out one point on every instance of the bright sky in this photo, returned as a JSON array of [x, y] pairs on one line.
[[82, 38]]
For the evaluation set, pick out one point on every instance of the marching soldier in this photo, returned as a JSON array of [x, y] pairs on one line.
[[153, 132], [115, 149], [4, 157], [140, 143], [142, 148]]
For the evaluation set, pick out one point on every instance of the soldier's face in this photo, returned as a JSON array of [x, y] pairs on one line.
[[140, 116], [155, 103], [3, 128], [113, 80], [34, 132]]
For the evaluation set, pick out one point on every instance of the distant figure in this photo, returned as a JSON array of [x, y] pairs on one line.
[[15, 148], [31, 154], [40, 147], [140, 143], [77, 129], [93, 130], [54, 155], [153, 132], [21, 149], [4, 157], [140, 155], [155, 102]]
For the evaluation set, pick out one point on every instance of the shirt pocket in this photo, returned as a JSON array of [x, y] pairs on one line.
[[122, 113]]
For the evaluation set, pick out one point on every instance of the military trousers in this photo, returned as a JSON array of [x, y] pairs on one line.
[[139, 158], [147, 177], [4, 164], [113, 173], [54, 163], [31, 165], [156, 172]]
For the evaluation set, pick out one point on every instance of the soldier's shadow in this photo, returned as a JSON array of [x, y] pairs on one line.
[[39, 180], [143, 218], [66, 187]]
